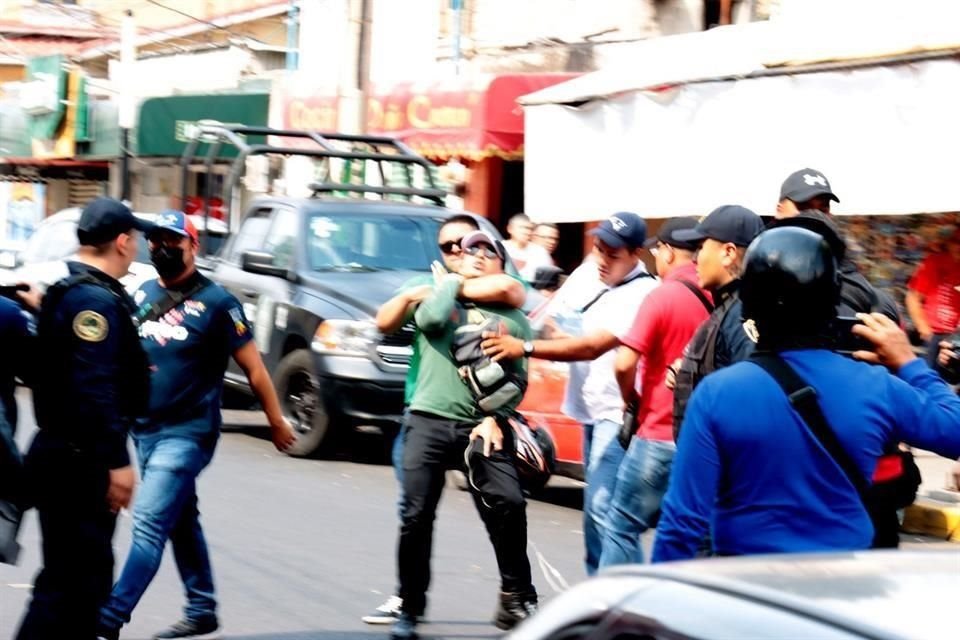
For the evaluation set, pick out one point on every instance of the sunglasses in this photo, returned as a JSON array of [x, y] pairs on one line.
[[449, 246], [485, 250]]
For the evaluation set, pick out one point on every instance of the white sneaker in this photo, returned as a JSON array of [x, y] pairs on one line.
[[385, 613]]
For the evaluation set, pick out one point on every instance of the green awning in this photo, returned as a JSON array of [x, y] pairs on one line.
[[163, 121]]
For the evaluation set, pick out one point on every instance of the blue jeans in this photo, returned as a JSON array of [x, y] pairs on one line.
[[166, 508], [641, 483], [602, 454], [396, 457]]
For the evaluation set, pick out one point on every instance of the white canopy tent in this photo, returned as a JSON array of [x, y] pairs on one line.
[[694, 121]]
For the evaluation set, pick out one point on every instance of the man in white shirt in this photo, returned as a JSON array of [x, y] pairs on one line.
[[592, 311], [527, 256]]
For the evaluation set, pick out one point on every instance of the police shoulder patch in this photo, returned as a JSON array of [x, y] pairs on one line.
[[750, 328], [90, 326]]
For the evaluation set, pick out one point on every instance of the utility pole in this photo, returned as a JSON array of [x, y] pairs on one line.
[[127, 110], [293, 36], [364, 46], [457, 7]]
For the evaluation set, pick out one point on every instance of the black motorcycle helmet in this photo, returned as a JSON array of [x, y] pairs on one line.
[[790, 286]]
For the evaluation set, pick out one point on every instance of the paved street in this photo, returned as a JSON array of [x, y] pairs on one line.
[[303, 548]]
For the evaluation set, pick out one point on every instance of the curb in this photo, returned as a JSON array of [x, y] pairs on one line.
[[933, 518]]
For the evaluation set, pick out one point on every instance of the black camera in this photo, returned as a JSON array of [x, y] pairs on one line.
[[10, 291], [951, 371], [844, 340]]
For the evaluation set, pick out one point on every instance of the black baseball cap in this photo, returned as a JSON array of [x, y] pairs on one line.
[[106, 218], [666, 234], [806, 184], [729, 223], [622, 229]]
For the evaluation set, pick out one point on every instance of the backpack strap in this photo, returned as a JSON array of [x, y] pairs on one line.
[[695, 290], [803, 398], [642, 274]]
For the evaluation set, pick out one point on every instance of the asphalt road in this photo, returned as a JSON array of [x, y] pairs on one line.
[[302, 548]]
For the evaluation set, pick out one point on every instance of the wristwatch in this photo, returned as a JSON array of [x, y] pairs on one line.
[[527, 348]]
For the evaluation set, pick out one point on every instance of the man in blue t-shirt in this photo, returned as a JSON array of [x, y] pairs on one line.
[[189, 327]]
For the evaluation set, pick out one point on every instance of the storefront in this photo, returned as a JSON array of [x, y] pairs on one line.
[[472, 130], [163, 131], [40, 168]]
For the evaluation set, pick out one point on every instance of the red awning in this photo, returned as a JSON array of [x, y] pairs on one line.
[[469, 120]]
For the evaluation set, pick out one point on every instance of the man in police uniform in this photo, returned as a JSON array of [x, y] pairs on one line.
[[95, 382], [724, 338], [190, 327]]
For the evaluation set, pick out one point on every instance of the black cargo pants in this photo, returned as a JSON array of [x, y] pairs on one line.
[[69, 490], [432, 446]]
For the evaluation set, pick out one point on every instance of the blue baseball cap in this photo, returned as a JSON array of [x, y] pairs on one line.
[[177, 222], [622, 229], [729, 223], [103, 219]]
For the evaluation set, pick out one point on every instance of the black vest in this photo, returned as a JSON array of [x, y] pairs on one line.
[[699, 359], [54, 387]]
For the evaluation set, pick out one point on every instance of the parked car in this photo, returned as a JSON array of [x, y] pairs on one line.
[[890, 595], [42, 260]]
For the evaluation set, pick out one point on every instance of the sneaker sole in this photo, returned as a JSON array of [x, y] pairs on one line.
[[213, 635], [379, 619]]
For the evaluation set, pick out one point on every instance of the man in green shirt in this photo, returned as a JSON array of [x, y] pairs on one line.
[[497, 288], [445, 420]]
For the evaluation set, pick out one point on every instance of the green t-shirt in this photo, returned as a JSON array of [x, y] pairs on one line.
[[439, 389], [410, 384]]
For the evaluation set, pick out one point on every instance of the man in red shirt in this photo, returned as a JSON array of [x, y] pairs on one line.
[[933, 300], [665, 323]]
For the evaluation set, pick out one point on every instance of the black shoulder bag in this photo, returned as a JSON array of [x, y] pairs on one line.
[[173, 298], [803, 398]]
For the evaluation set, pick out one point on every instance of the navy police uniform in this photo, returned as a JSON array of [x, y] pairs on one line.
[[95, 382]]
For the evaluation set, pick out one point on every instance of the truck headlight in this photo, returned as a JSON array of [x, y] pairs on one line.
[[346, 337]]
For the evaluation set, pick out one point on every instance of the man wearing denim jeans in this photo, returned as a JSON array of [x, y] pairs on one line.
[[666, 322], [593, 311], [190, 327]]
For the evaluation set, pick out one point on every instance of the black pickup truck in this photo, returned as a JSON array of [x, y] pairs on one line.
[[311, 274]]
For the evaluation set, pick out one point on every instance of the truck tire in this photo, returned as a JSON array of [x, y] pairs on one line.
[[298, 389]]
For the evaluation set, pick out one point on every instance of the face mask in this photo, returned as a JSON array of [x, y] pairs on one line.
[[168, 261]]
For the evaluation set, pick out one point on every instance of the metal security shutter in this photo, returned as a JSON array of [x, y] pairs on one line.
[[80, 192]]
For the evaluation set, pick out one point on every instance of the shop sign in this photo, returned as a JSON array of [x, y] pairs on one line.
[[423, 111]]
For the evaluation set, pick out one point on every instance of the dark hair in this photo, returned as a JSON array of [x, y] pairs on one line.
[[461, 218]]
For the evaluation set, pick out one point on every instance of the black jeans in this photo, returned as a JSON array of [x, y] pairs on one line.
[[432, 445], [69, 490]]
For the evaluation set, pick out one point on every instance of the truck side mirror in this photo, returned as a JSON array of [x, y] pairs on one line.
[[262, 263]]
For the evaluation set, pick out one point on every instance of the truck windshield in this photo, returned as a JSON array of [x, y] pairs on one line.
[[370, 243]]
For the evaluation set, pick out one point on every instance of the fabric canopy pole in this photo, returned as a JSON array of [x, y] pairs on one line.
[[887, 137]]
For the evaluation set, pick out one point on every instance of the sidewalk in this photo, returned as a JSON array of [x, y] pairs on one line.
[[937, 511]]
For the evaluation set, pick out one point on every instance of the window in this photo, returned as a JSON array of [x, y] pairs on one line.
[[370, 243], [282, 237], [251, 236]]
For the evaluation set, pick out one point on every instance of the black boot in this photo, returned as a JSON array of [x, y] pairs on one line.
[[514, 607], [404, 627]]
